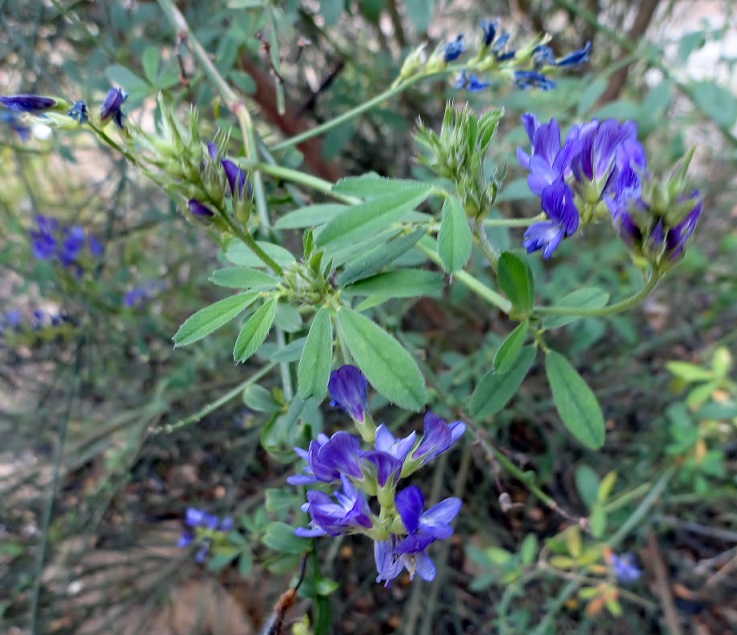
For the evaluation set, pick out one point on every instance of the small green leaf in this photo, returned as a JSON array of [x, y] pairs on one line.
[[378, 257], [259, 399], [515, 279], [587, 484], [136, 86], [310, 216], [406, 283], [454, 238], [330, 10], [372, 185], [245, 564], [150, 62], [575, 402], [243, 278], [212, 317], [689, 372], [238, 253], [288, 318], [387, 365], [281, 537], [254, 331], [715, 101], [597, 522], [587, 298], [370, 217], [510, 348], [496, 389], [314, 366], [420, 13], [528, 549]]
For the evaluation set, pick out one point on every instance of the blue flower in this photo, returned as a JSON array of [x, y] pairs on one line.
[[347, 387], [471, 83], [438, 436], [543, 56], [489, 29], [72, 245], [532, 79], [43, 240], [678, 236], [199, 210], [236, 177], [453, 50], [111, 107], [78, 112], [624, 567], [557, 203], [329, 459], [398, 448], [349, 513], [390, 564], [28, 103], [381, 467], [575, 57]]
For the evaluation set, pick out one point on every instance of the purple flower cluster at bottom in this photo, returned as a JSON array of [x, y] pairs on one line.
[[64, 244], [402, 529], [201, 529]]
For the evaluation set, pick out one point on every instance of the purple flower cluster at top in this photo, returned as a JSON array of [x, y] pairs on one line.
[[599, 161], [52, 241], [494, 43], [340, 460], [201, 528]]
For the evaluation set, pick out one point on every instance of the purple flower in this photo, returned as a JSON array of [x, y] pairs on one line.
[[78, 112], [532, 79], [199, 210], [27, 103], [624, 567], [72, 245], [96, 248], [488, 29], [398, 448], [43, 240], [347, 387], [329, 459], [424, 528], [186, 539], [438, 436], [543, 56], [471, 83], [557, 203], [236, 177], [575, 58], [380, 467], [349, 513], [111, 107], [389, 564], [453, 50], [678, 236]]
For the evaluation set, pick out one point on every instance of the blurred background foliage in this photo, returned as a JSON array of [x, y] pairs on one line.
[[107, 434]]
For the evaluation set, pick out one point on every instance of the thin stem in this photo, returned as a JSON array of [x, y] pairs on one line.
[[491, 253], [349, 114], [511, 222], [617, 307], [301, 178], [478, 287], [197, 416], [249, 241]]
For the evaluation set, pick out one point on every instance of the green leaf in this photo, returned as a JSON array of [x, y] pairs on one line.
[[587, 484], [510, 348], [254, 331], [245, 564], [575, 402], [515, 190], [310, 216], [420, 13], [281, 537], [136, 86], [212, 317], [715, 101], [150, 62], [330, 10], [243, 278], [587, 298], [288, 318], [454, 239], [370, 217], [238, 253], [689, 372], [406, 283], [372, 185], [528, 549], [590, 95], [243, 82], [289, 353], [282, 501], [378, 257], [314, 366], [259, 399], [515, 279], [496, 389], [387, 365]]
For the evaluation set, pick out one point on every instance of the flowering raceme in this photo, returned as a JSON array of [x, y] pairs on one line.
[[402, 529], [600, 170], [54, 242]]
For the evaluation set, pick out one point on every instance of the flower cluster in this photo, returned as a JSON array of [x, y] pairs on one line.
[[58, 243], [625, 568], [528, 67], [203, 529], [402, 529], [599, 170]]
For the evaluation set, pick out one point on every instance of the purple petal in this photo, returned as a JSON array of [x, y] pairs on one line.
[[436, 520], [27, 103], [347, 387], [424, 567], [385, 466], [410, 503]]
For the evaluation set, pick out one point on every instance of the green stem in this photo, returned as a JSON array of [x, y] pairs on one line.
[[617, 307], [349, 114], [249, 241], [429, 248], [301, 178], [197, 416], [512, 222], [491, 253], [102, 135]]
